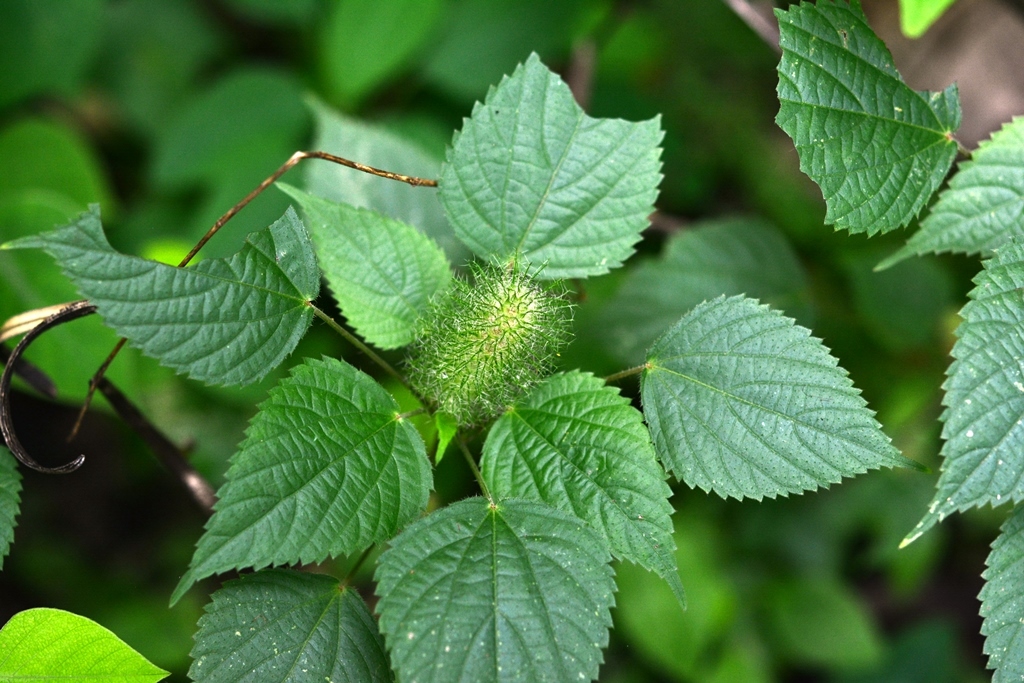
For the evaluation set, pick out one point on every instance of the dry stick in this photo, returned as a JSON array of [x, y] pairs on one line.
[[757, 21], [285, 167]]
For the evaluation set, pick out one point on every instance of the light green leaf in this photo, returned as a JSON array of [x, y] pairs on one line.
[[382, 272], [327, 468], [743, 402], [224, 321], [579, 446], [280, 625], [916, 16], [1002, 601], [531, 175], [447, 427], [983, 205], [877, 149], [733, 256], [514, 591], [983, 453], [10, 500], [41, 645], [376, 146]]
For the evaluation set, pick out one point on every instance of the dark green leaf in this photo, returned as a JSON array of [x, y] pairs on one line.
[[579, 446], [877, 149], [278, 625], [328, 467], [531, 176], [10, 500], [45, 645], [514, 591], [382, 272], [743, 402], [984, 204], [983, 454], [224, 321], [1002, 601]]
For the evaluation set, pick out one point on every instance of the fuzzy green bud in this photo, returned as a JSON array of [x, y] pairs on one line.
[[483, 343]]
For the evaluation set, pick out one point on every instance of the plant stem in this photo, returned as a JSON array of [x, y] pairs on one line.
[[359, 563], [356, 342], [626, 373], [472, 466]]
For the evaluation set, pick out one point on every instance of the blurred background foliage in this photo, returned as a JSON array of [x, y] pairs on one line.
[[167, 112]]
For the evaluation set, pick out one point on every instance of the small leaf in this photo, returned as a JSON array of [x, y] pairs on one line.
[[877, 149], [224, 321], [742, 401], [514, 591], [447, 428], [10, 501], [1002, 598], [579, 446], [41, 645], [917, 16], [280, 625], [531, 175], [327, 468], [382, 272], [983, 205], [983, 453]]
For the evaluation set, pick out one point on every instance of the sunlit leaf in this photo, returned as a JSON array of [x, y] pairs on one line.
[[743, 402], [382, 272], [579, 446], [514, 591], [984, 204], [279, 625], [917, 16], [328, 467], [10, 500], [877, 149], [40, 645], [1002, 602], [531, 175], [223, 321]]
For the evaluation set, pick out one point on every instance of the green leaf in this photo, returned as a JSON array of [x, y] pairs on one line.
[[327, 468], [916, 16], [382, 272], [983, 205], [877, 149], [280, 625], [447, 427], [376, 146], [743, 402], [224, 321], [514, 591], [10, 501], [1001, 600], [579, 446], [733, 256], [983, 453], [530, 175], [52, 645], [362, 43]]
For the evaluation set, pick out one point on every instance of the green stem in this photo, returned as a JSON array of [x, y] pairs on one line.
[[472, 466], [359, 563], [626, 373], [356, 342]]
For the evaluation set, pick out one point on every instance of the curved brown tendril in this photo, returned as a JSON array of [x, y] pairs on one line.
[[73, 311]]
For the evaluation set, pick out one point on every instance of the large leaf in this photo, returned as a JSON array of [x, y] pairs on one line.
[[1002, 602], [743, 402], [382, 272], [734, 256], [328, 467], [579, 446], [984, 417], [984, 204], [279, 625], [513, 591], [224, 321], [877, 148], [45, 645], [531, 175], [10, 500]]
